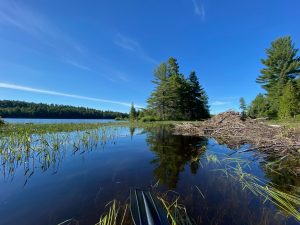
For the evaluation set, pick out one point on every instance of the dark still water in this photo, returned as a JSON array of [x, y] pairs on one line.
[[77, 179]]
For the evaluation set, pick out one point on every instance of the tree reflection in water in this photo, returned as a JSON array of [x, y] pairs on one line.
[[173, 153]]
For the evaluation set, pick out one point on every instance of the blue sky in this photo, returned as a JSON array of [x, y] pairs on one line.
[[102, 54]]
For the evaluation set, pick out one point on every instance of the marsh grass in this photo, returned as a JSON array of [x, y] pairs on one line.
[[283, 165], [119, 214], [176, 212], [69, 222], [115, 214], [45, 145], [235, 168], [33, 146], [31, 128]]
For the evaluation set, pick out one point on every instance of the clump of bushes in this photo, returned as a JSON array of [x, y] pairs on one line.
[[297, 118], [148, 119], [1, 121], [121, 118]]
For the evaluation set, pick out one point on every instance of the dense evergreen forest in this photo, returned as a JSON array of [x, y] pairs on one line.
[[281, 82], [19, 109], [176, 97]]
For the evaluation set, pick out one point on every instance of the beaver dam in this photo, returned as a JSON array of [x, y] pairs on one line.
[[230, 129]]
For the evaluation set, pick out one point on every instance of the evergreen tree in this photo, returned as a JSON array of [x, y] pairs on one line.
[[197, 101], [141, 114], [288, 102], [259, 107], [158, 99], [173, 68], [177, 98], [204, 109], [132, 113], [298, 88], [243, 107], [282, 65]]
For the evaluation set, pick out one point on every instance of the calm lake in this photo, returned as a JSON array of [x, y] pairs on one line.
[[77, 180], [29, 120]]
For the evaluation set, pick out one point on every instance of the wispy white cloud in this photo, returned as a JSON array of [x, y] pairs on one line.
[[78, 65], [132, 45], [51, 41], [45, 33], [56, 93], [19, 16], [199, 8], [220, 103], [127, 43], [223, 101]]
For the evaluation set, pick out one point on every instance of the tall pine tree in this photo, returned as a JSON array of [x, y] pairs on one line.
[[177, 98], [173, 67], [243, 107], [197, 100], [282, 65], [132, 113], [158, 99]]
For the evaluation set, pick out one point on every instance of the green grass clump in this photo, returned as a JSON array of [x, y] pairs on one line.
[[235, 169], [176, 212], [117, 214], [31, 128], [114, 214], [21, 147]]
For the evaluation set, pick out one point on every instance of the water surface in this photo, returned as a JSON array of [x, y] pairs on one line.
[[79, 179]]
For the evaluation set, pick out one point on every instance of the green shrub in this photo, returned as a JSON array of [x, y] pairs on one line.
[[297, 117], [148, 119], [120, 118], [1, 121]]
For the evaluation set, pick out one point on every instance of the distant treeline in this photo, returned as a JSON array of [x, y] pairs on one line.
[[20, 109]]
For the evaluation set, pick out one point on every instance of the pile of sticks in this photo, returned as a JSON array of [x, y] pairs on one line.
[[230, 129]]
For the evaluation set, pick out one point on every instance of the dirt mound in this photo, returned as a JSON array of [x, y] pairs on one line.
[[228, 128]]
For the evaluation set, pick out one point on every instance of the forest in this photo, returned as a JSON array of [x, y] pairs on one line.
[[21, 109], [281, 82]]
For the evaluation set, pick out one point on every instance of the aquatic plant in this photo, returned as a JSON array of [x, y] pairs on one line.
[[176, 212], [31, 128], [118, 214], [114, 214], [69, 222], [212, 158], [32, 144], [235, 168]]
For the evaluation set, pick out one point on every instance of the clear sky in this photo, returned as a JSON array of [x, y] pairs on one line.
[[102, 54]]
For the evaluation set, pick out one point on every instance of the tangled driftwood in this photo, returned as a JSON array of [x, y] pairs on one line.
[[228, 128]]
